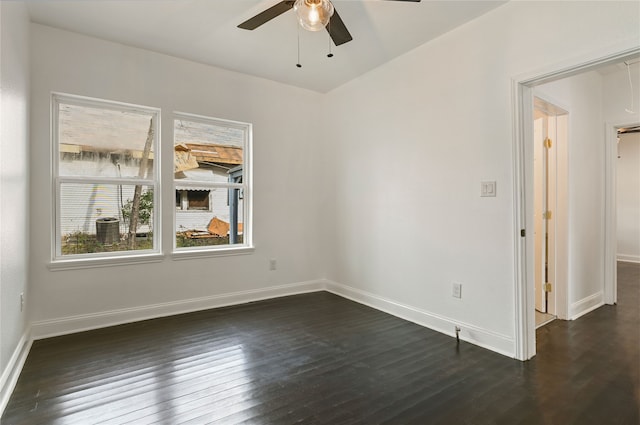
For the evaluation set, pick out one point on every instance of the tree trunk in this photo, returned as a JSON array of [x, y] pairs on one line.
[[137, 193]]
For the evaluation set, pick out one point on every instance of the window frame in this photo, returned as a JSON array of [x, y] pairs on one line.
[[59, 261], [245, 188]]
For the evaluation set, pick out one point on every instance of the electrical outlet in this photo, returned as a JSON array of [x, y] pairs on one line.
[[457, 290], [21, 301], [273, 264]]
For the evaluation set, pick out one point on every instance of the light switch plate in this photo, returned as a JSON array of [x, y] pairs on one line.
[[456, 290], [488, 189]]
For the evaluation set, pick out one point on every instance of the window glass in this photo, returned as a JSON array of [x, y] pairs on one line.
[[104, 142], [96, 218], [223, 226], [105, 177], [106, 180], [209, 170]]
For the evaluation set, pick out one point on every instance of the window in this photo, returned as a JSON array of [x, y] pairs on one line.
[[193, 200], [106, 178], [106, 181], [211, 178]]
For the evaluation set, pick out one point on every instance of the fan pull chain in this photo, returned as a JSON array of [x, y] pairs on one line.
[[299, 65], [330, 55], [630, 111]]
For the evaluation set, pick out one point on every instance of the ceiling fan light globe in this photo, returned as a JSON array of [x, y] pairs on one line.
[[313, 15]]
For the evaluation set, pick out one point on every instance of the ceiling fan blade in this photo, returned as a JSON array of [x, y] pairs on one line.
[[267, 15], [337, 29]]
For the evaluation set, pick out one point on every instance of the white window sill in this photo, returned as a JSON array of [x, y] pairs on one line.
[[88, 263], [188, 254]]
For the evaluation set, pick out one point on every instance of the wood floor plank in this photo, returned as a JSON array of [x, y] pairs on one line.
[[321, 359]]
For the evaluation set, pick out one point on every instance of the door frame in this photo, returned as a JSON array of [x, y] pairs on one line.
[[611, 199], [522, 102]]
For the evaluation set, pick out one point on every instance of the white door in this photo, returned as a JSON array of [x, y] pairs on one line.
[[545, 186]]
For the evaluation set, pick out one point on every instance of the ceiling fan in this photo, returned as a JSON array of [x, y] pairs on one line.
[[313, 15]]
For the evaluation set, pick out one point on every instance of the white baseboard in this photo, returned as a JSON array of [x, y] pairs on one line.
[[85, 322], [12, 371], [628, 258], [494, 341], [586, 305], [485, 338]]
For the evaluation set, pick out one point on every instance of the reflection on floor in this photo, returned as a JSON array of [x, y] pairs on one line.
[[543, 318], [321, 359]]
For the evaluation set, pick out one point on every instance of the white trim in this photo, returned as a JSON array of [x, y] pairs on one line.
[[205, 185], [586, 305], [203, 119], [246, 186], [628, 259], [618, 52], [56, 180], [524, 318], [13, 369], [610, 218], [114, 181], [210, 251], [484, 338], [115, 259], [525, 344], [84, 322]]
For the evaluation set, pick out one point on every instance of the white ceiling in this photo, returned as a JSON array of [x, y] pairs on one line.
[[206, 31]]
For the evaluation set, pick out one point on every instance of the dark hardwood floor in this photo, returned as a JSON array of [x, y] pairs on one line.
[[321, 359]]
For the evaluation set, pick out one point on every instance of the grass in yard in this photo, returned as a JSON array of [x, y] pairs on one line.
[[182, 241], [85, 243]]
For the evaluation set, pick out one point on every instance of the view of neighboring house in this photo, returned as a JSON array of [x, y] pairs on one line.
[[83, 204], [206, 208], [105, 150]]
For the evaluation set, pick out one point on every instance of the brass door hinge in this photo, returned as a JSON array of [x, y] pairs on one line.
[[548, 143], [547, 287], [547, 215]]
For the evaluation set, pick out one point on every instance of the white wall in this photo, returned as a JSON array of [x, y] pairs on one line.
[[617, 95], [437, 120], [285, 180], [628, 198], [418, 135], [617, 101], [14, 172]]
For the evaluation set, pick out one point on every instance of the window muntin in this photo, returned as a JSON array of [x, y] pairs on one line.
[[105, 178], [211, 155]]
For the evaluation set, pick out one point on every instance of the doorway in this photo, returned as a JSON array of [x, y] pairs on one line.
[[628, 194], [550, 139], [524, 88]]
